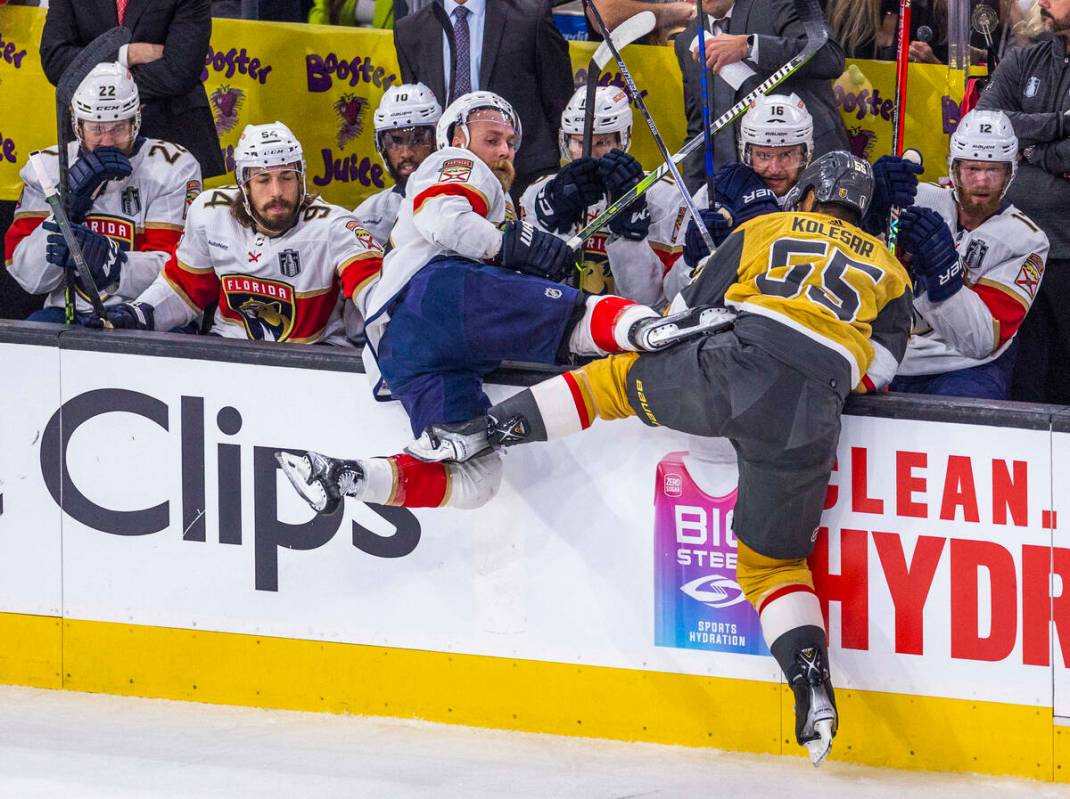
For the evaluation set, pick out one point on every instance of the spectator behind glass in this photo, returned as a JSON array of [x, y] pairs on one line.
[[865, 28], [764, 35], [166, 56], [1027, 86], [509, 47]]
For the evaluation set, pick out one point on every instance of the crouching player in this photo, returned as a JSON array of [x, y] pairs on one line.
[[823, 309], [977, 262]]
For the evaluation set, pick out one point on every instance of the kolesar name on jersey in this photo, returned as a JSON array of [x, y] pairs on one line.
[[862, 247]]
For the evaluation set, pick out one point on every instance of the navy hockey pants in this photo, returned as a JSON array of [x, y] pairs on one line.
[[455, 322]]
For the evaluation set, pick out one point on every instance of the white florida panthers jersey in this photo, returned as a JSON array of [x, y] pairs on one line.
[[613, 265], [268, 288], [379, 213], [1003, 262], [454, 205], [144, 213]]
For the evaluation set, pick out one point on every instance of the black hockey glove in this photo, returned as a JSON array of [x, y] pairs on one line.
[[561, 201], [620, 172], [743, 193], [895, 182], [936, 265], [88, 173], [102, 255], [527, 249], [127, 316], [717, 224]]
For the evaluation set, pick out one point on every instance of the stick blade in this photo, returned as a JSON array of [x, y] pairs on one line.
[[633, 28], [100, 49]]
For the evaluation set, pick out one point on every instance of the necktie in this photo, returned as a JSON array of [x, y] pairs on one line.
[[121, 8], [463, 78]]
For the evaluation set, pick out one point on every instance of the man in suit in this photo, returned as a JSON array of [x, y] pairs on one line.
[[165, 56], [509, 47], [763, 34]]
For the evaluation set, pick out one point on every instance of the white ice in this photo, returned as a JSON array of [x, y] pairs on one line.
[[83, 746]]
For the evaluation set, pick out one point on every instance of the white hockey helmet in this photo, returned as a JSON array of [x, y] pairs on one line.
[[983, 135], [460, 110], [263, 147], [777, 120], [408, 105], [612, 114], [107, 94]]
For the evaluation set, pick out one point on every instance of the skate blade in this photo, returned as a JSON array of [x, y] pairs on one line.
[[297, 470], [819, 748]]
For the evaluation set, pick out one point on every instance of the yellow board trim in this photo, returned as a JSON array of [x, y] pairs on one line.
[[877, 729]]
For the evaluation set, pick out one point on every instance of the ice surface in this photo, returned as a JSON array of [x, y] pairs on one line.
[[65, 744]]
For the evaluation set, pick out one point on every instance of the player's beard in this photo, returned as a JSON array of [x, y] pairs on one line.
[[979, 208], [282, 215], [1053, 24], [505, 172]]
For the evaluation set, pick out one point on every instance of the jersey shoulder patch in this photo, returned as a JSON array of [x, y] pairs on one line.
[[1029, 275], [455, 170]]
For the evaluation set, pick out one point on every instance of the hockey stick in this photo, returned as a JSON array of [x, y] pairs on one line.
[[52, 197], [816, 36], [103, 48], [635, 27], [637, 98], [707, 139], [899, 117]]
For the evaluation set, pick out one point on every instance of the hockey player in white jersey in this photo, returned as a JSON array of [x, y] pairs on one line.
[[273, 257], [630, 256], [465, 288], [977, 263], [127, 201], [776, 143], [404, 136]]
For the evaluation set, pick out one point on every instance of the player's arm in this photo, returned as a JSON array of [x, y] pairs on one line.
[[889, 335], [164, 220], [1004, 93], [713, 277], [452, 212], [357, 259], [26, 241]]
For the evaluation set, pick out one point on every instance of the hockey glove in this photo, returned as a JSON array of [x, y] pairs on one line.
[[716, 223], [88, 173], [895, 183], [561, 202], [620, 172], [527, 249], [102, 255], [743, 193], [128, 316], [936, 265]]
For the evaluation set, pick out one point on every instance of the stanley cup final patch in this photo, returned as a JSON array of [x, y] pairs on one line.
[[455, 170], [1032, 86]]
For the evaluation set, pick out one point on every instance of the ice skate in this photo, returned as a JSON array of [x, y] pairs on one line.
[[657, 332], [456, 442], [321, 481], [815, 704]]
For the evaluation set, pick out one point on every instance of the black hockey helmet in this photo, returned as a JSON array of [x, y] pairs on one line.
[[837, 177]]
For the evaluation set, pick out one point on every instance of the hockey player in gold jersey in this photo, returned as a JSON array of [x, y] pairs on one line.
[[822, 309]]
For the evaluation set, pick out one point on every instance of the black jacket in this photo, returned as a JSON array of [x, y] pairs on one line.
[[525, 60], [780, 36], [175, 104], [1031, 85]]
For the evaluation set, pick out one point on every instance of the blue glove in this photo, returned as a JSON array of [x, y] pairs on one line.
[[895, 182], [102, 255], [527, 249], [561, 202], [936, 264], [88, 173], [719, 228], [743, 193], [620, 172], [127, 316]]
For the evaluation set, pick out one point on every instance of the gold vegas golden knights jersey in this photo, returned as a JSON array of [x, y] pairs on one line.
[[829, 288]]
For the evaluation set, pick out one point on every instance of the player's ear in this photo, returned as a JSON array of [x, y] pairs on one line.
[[808, 201]]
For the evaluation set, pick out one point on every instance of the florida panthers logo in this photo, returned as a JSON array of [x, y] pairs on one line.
[[350, 109], [226, 104], [266, 308]]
